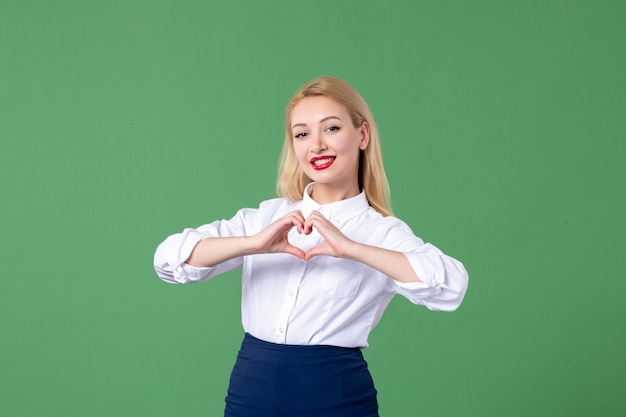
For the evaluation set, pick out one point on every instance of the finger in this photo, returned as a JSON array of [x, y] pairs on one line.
[[289, 221], [298, 214], [323, 226], [317, 218], [295, 251], [314, 220], [315, 215], [297, 220], [315, 251], [307, 226], [280, 228]]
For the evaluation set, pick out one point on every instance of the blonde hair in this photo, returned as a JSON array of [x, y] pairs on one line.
[[372, 178]]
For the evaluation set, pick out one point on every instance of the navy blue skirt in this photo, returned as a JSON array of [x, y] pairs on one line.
[[275, 380]]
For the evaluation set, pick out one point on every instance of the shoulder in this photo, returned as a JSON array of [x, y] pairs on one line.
[[269, 210], [252, 219], [388, 229], [278, 204], [379, 220]]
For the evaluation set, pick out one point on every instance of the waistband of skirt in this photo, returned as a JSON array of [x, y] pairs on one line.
[[283, 353]]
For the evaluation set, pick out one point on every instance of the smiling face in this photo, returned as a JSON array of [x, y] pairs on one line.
[[328, 147]]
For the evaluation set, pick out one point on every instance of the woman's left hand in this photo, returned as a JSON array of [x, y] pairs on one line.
[[335, 243], [391, 263]]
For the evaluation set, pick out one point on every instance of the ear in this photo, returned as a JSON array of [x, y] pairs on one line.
[[365, 136]]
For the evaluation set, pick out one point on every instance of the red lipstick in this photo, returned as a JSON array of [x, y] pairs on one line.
[[321, 162]]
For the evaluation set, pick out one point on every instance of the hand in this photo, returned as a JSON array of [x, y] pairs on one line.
[[273, 239], [335, 243]]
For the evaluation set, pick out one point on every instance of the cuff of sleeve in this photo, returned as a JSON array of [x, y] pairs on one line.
[[426, 272], [184, 273], [190, 240], [430, 281]]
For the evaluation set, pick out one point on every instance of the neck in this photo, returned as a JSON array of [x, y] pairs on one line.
[[324, 194]]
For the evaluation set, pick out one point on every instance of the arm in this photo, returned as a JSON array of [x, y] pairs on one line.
[[198, 254], [420, 272], [171, 256], [273, 239], [392, 263]]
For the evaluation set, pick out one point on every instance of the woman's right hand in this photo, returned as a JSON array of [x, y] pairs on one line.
[[273, 239]]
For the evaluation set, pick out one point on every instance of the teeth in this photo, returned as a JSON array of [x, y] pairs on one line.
[[322, 161]]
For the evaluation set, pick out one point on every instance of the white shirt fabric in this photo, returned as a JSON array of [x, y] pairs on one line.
[[326, 300]]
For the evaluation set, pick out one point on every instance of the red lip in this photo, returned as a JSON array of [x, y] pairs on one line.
[[324, 165]]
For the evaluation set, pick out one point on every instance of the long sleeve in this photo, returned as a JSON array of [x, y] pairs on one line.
[[444, 279], [326, 300], [171, 254]]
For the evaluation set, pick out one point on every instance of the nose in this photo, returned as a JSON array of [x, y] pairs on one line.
[[318, 145]]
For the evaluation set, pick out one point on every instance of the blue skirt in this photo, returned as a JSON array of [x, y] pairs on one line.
[[275, 380]]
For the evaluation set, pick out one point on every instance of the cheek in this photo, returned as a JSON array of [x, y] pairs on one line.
[[347, 146], [300, 152]]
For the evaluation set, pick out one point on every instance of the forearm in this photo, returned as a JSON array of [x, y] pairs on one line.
[[215, 250], [391, 263]]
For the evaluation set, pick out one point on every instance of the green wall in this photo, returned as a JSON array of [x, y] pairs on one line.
[[122, 122]]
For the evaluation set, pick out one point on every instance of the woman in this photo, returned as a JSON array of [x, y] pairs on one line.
[[319, 264]]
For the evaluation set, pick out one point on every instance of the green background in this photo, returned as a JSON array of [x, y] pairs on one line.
[[122, 122]]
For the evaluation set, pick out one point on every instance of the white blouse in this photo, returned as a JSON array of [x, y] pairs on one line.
[[326, 300]]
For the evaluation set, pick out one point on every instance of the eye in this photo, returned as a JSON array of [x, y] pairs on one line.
[[300, 135], [332, 129]]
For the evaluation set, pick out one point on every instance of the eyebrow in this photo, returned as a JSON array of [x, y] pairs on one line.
[[321, 121]]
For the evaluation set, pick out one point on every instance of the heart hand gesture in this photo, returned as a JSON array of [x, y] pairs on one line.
[[335, 243], [274, 238]]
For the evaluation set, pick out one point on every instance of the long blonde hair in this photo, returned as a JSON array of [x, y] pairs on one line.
[[372, 178]]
